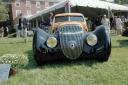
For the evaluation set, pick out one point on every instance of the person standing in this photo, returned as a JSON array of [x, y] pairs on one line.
[[20, 26], [106, 23], [111, 23], [6, 30], [89, 23], [126, 22], [49, 21], [23, 24], [118, 26], [2, 31]]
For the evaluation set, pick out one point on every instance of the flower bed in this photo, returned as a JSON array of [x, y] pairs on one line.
[[16, 61]]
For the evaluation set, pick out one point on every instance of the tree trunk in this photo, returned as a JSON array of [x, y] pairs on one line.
[[10, 15]]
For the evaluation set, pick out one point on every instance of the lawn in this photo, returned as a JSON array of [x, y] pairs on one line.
[[84, 72]]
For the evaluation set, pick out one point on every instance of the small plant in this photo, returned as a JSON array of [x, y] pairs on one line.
[[16, 61]]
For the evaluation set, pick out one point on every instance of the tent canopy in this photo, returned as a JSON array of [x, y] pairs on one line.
[[87, 7]]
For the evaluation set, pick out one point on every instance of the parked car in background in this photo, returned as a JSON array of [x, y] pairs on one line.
[[125, 33]]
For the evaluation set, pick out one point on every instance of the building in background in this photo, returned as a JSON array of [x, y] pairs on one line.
[[30, 7]]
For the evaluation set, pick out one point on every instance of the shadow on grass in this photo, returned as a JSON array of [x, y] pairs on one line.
[[32, 64], [58, 63], [122, 43], [12, 43], [21, 42], [64, 63]]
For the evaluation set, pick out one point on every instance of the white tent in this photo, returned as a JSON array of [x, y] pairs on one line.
[[83, 6]]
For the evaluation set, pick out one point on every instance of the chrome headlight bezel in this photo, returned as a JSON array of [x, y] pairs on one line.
[[91, 39], [51, 42]]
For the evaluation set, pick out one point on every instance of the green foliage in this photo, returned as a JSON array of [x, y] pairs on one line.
[[121, 1], [5, 4], [7, 0], [3, 13], [16, 61]]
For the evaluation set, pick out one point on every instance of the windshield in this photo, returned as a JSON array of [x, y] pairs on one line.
[[68, 18]]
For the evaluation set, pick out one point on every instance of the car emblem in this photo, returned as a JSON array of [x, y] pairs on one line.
[[72, 44]]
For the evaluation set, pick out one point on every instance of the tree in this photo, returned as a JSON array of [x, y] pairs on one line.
[[121, 1], [3, 13], [7, 3]]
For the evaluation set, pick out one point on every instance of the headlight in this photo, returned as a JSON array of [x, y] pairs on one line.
[[91, 39], [51, 42]]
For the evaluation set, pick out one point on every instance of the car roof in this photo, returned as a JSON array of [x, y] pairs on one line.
[[69, 14]]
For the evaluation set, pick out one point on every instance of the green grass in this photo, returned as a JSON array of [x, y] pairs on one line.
[[88, 72]]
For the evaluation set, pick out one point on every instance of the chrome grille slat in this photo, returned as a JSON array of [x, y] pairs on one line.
[[71, 35]]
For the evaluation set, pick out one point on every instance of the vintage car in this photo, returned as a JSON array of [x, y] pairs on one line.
[[70, 39], [125, 33]]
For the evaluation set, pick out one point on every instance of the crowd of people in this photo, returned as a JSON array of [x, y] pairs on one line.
[[116, 23], [22, 26], [21, 29]]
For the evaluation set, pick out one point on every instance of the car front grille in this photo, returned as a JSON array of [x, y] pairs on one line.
[[71, 41]]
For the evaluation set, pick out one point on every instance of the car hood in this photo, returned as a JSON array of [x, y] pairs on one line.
[[70, 23], [62, 24]]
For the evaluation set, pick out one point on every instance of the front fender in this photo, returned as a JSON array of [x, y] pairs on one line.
[[40, 37], [103, 35], [103, 40]]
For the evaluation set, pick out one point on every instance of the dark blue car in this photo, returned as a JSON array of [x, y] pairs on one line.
[[71, 39]]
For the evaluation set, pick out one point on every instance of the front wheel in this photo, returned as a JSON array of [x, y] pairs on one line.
[[37, 58], [104, 56]]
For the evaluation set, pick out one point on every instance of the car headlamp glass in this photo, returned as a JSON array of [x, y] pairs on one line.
[[92, 39], [51, 42]]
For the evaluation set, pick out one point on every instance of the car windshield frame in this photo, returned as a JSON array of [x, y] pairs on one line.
[[69, 18]]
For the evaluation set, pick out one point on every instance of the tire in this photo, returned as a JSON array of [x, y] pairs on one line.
[[104, 56], [105, 40]]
